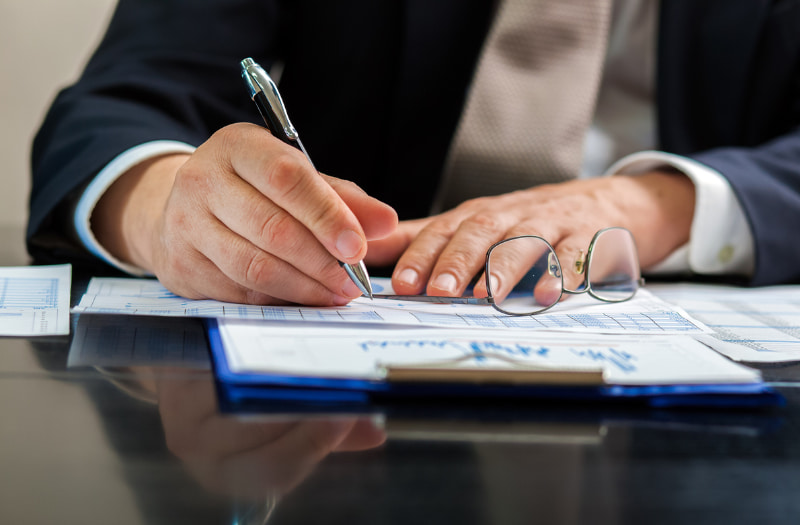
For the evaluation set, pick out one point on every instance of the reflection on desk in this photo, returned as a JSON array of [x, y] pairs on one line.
[[125, 443]]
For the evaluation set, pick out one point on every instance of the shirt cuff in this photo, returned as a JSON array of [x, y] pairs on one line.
[[103, 180], [720, 240]]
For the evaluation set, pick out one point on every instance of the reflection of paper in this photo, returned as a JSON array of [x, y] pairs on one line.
[[336, 352], [748, 324], [644, 314], [123, 341], [34, 300]]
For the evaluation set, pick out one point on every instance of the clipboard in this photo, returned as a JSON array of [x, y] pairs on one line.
[[447, 383]]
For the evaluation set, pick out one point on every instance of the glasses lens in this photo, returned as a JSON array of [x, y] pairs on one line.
[[532, 264], [613, 272]]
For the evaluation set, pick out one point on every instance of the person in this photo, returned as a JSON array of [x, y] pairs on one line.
[[155, 162]]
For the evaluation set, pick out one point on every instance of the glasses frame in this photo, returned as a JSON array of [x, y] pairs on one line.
[[489, 299]]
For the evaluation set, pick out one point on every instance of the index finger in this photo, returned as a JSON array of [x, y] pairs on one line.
[[285, 176]]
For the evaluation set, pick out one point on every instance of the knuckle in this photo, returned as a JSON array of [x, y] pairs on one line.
[[256, 269], [485, 222], [526, 228], [326, 212], [475, 205], [461, 257], [178, 265], [276, 229], [221, 143], [230, 135], [285, 175], [190, 177], [177, 221], [439, 230]]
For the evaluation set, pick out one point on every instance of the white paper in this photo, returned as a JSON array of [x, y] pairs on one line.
[[34, 300], [645, 313], [332, 352], [748, 324]]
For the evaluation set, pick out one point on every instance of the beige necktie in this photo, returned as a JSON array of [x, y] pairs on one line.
[[531, 99]]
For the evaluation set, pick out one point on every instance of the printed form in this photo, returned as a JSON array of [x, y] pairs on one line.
[[747, 324], [34, 300], [644, 314]]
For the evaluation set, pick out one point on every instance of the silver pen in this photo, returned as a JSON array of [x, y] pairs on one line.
[[264, 93]]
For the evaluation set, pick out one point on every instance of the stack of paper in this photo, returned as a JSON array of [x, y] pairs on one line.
[[644, 348]]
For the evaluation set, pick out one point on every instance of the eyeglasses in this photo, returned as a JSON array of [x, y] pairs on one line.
[[611, 274]]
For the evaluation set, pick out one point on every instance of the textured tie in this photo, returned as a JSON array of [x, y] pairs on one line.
[[531, 99]]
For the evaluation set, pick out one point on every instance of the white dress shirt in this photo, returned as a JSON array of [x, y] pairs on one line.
[[623, 128]]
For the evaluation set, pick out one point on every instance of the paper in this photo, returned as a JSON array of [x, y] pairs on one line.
[[332, 352], [643, 314], [748, 324], [34, 300]]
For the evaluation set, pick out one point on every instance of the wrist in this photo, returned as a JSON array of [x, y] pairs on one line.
[[125, 218], [667, 202]]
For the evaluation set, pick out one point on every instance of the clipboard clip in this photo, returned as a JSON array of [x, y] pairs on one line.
[[520, 373]]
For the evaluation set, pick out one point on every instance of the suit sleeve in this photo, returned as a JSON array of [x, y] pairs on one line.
[[165, 70], [766, 181]]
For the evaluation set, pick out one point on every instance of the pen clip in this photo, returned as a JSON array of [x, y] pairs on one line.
[[258, 81]]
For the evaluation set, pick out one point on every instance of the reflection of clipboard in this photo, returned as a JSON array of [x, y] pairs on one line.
[[446, 381], [559, 433]]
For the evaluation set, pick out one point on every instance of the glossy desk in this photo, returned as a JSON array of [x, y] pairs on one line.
[[147, 445]]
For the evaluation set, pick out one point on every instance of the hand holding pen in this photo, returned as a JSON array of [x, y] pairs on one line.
[[244, 218], [264, 93]]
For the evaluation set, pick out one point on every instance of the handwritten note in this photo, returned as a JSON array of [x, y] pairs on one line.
[[252, 347]]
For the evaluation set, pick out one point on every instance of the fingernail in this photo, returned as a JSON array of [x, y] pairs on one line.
[[349, 243], [408, 276], [446, 282], [350, 289]]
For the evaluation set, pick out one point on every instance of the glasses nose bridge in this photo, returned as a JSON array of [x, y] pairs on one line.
[[585, 274], [585, 289]]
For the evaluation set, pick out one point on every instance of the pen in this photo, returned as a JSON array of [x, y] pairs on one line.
[[264, 93]]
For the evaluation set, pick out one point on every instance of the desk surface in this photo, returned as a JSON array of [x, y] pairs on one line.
[[147, 445]]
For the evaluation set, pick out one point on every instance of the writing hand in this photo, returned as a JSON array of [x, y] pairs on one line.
[[441, 254], [243, 219]]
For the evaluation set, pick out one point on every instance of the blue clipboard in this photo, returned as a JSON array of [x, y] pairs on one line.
[[314, 393]]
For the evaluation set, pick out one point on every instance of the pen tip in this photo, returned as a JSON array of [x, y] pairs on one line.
[[358, 274]]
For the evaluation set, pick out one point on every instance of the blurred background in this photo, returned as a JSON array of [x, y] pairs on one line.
[[44, 44]]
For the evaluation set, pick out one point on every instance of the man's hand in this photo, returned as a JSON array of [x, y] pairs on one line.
[[244, 219], [440, 255], [228, 455]]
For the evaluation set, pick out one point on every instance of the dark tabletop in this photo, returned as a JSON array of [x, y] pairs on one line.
[[117, 436]]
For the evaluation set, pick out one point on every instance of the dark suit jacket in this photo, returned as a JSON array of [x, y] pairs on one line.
[[376, 89]]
